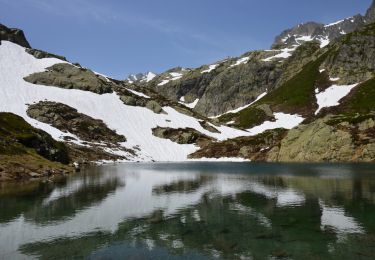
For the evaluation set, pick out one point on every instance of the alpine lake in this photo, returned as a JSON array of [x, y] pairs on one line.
[[193, 210]]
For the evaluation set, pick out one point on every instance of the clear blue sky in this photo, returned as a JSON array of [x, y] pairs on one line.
[[119, 37]]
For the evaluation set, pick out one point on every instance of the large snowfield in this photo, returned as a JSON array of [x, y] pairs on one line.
[[135, 123]]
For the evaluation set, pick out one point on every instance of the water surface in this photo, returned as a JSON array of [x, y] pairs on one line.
[[194, 211]]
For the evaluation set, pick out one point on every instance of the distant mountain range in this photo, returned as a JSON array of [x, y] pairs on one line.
[[310, 98]]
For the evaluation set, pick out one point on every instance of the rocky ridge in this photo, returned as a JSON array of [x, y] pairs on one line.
[[324, 33]]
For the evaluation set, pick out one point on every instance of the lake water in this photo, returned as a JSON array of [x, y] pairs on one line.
[[194, 211]]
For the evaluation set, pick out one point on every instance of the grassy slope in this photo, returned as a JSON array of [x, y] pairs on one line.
[[297, 94], [294, 96], [19, 151]]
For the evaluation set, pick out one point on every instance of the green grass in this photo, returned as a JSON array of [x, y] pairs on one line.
[[246, 118], [351, 118], [298, 92], [17, 137], [295, 96], [363, 99]]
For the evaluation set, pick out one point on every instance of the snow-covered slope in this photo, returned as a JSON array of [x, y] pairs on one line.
[[135, 123]]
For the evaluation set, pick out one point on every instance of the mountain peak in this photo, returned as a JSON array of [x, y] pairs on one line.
[[312, 31]]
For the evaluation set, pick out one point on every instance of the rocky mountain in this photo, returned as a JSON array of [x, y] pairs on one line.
[[304, 101], [97, 118], [324, 33], [236, 82]]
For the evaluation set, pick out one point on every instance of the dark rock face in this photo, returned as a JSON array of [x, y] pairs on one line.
[[370, 15], [16, 134], [65, 75], [68, 119], [254, 148], [238, 86], [182, 136], [354, 60], [13, 35], [39, 54]]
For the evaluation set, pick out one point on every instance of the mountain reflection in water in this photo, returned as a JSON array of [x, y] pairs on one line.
[[194, 211]]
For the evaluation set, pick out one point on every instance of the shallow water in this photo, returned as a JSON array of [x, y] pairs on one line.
[[194, 211]]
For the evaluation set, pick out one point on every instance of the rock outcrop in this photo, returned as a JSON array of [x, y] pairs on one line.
[[13, 35], [182, 135], [254, 148], [330, 139], [39, 54], [65, 75], [68, 119], [27, 152]]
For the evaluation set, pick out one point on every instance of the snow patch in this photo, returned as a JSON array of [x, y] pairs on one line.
[[243, 107], [324, 42], [210, 68], [334, 23], [189, 105], [172, 76], [286, 121], [285, 53], [332, 95], [334, 79], [240, 61], [148, 77], [137, 93], [304, 38]]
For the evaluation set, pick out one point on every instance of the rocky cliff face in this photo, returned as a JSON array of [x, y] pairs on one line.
[[354, 57], [65, 75]]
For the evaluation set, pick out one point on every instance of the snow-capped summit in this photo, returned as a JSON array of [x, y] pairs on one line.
[[141, 77], [323, 33]]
